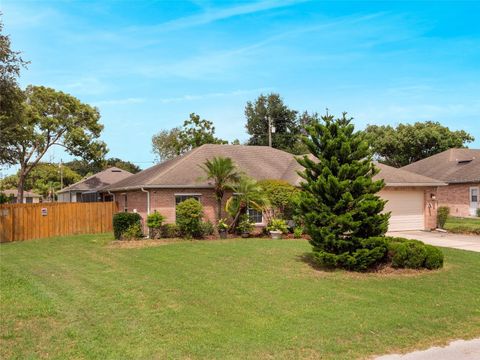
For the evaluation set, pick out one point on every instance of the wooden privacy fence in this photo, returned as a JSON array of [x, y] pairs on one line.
[[34, 221]]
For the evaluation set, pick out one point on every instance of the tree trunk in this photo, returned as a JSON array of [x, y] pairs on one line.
[[219, 209], [21, 185]]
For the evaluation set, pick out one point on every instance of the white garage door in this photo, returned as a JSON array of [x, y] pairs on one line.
[[406, 207]]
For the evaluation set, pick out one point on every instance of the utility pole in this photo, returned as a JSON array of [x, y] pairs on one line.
[[271, 130]]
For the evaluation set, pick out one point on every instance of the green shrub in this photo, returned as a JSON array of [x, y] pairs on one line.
[[478, 212], [277, 225], [154, 223], [434, 259], [207, 228], [410, 254], [371, 252], [189, 218], [244, 225], [169, 231], [442, 216], [222, 225], [282, 197], [122, 221], [298, 232], [133, 232]]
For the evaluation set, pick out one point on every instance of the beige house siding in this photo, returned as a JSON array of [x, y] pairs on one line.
[[457, 198], [429, 209]]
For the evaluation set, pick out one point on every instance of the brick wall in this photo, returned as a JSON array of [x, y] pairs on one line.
[[431, 206], [163, 200], [456, 197]]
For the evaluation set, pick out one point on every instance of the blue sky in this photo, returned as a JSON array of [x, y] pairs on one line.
[[148, 64]]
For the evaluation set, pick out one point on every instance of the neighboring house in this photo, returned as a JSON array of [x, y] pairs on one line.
[[28, 196], [91, 189], [460, 169], [163, 186]]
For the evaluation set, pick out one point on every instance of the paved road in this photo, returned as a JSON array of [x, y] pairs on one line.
[[456, 241], [456, 350]]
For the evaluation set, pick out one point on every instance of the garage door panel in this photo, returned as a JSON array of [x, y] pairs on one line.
[[406, 208]]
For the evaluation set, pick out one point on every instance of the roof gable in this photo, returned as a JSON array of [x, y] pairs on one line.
[[451, 166], [99, 180]]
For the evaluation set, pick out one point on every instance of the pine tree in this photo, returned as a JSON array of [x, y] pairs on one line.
[[339, 205]]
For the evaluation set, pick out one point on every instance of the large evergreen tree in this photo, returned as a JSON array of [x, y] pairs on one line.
[[339, 205]]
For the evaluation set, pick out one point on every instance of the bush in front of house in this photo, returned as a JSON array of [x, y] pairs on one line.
[[413, 254], [122, 221], [434, 259], [189, 218], [154, 223], [282, 197], [478, 212], [207, 228], [134, 232], [277, 225], [169, 231], [442, 216], [298, 232], [245, 226]]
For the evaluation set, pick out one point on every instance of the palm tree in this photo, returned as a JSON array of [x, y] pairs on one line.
[[248, 194], [223, 172]]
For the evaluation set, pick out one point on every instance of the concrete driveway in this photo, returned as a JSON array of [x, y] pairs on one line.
[[456, 350], [456, 241]]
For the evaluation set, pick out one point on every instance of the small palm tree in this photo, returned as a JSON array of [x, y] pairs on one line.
[[223, 172], [249, 194]]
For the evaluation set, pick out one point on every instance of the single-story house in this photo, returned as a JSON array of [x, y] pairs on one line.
[[161, 187], [29, 197], [91, 189], [460, 169]]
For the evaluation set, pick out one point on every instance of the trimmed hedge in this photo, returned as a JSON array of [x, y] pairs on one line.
[[169, 231], [122, 221], [442, 216], [384, 250], [189, 218], [413, 254]]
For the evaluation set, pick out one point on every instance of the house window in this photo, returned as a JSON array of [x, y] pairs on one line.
[[474, 195], [125, 206], [182, 197], [28, 200], [255, 216]]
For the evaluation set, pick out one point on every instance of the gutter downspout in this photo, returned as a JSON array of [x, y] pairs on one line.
[[148, 199], [148, 206], [110, 193]]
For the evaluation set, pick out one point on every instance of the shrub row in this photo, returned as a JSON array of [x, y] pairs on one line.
[[413, 254], [376, 251], [189, 223]]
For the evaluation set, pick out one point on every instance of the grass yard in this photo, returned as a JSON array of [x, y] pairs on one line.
[[463, 225], [77, 298]]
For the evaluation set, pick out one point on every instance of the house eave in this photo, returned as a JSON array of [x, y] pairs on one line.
[[403, 184], [138, 187]]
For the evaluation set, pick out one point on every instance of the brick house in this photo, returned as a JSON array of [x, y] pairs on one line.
[[161, 187], [460, 169]]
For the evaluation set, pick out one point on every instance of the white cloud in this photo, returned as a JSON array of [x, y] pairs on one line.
[[119, 101], [212, 95]]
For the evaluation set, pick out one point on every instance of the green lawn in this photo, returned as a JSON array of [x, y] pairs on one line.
[[247, 298], [463, 225]]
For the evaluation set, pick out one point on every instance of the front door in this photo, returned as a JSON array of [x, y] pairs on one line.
[[473, 201]]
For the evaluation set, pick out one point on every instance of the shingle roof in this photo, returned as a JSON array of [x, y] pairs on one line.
[[14, 192], [451, 166], [99, 180], [258, 162], [399, 177]]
